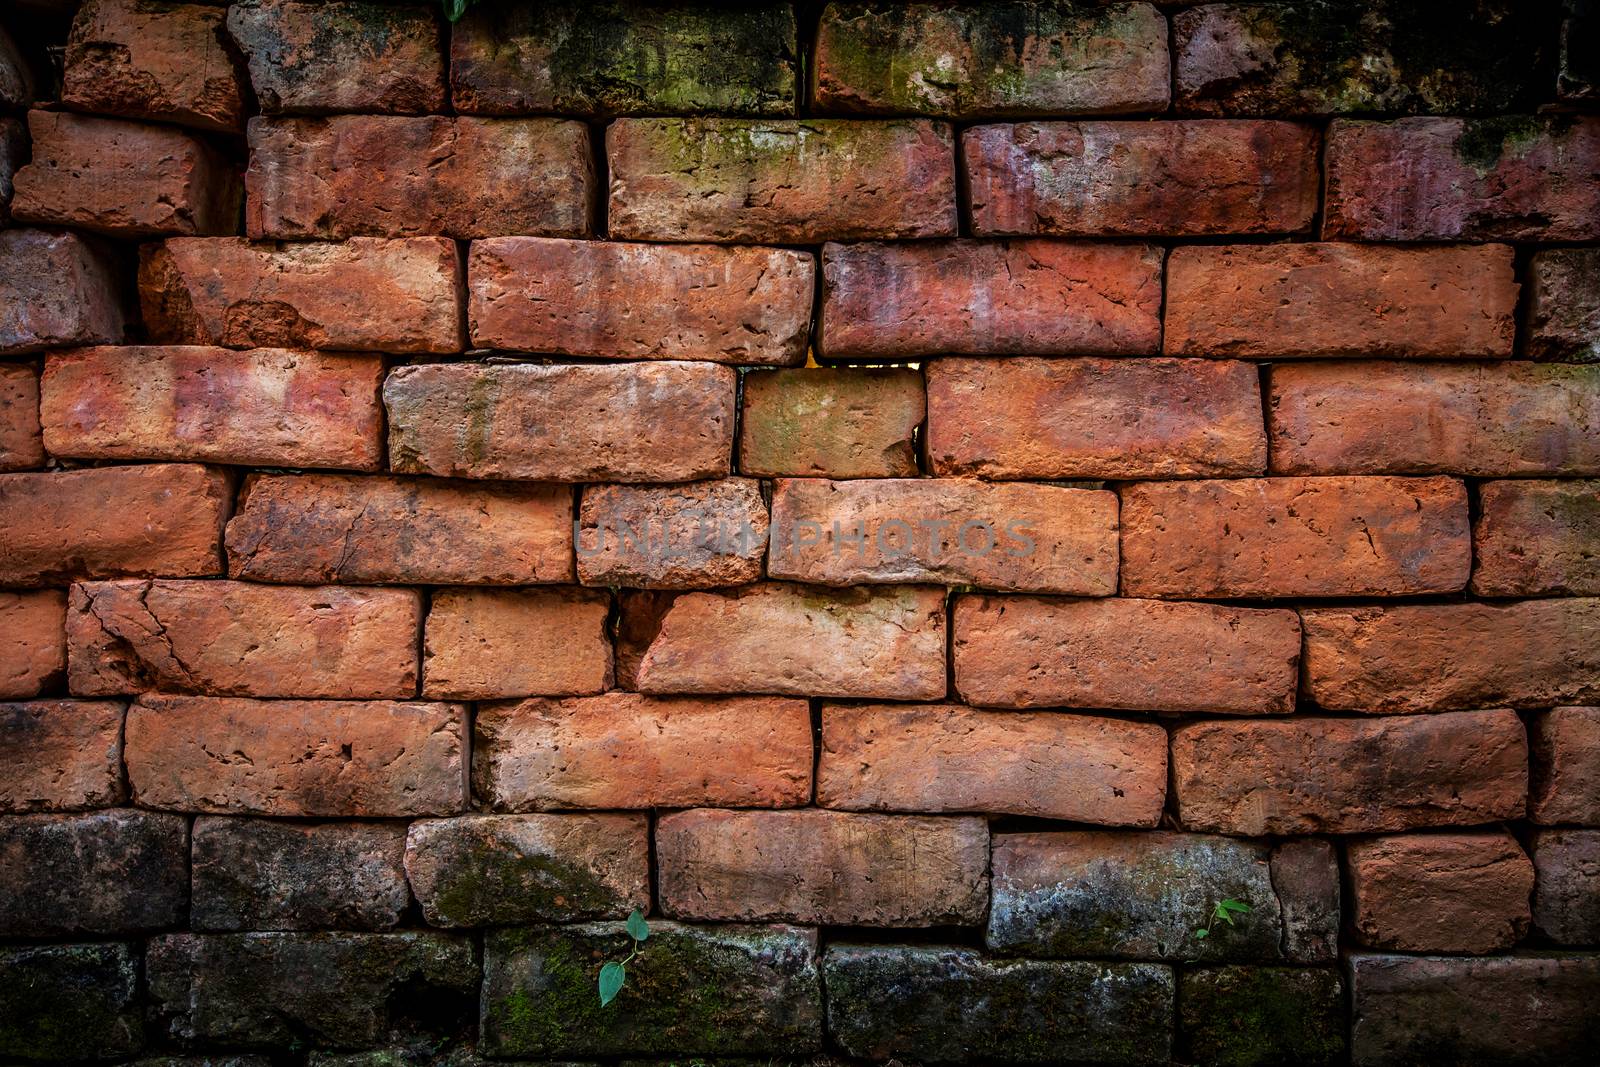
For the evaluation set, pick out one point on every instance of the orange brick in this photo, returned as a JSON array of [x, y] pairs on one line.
[[484, 644], [33, 642]]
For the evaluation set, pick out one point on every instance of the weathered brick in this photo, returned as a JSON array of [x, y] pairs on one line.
[[953, 1004], [393, 176], [694, 535], [1535, 537], [33, 650], [239, 639], [57, 755], [338, 990], [267, 407], [623, 750], [1565, 745], [1510, 178], [1261, 1014], [1094, 418], [1342, 776], [318, 528], [16, 77], [781, 181], [340, 55], [13, 156], [1563, 313], [149, 59], [1532, 1008], [70, 1002], [1482, 419], [617, 58], [157, 519], [855, 423], [777, 637], [1133, 655], [539, 1000], [1176, 178], [1431, 657], [255, 874], [21, 445], [989, 298], [123, 179], [1305, 878], [102, 872], [1295, 537], [1566, 895], [1461, 893], [496, 870], [484, 644], [366, 294], [947, 758], [56, 289], [629, 422], [991, 61], [1016, 537], [1284, 301], [351, 759]]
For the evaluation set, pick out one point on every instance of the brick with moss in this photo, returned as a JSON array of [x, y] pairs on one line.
[[69, 1002], [1261, 1016]]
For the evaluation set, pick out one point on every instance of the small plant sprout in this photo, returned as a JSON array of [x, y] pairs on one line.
[[1222, 912], [615, 972]]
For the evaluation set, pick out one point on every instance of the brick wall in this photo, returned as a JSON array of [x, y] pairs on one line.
[[922, 501]]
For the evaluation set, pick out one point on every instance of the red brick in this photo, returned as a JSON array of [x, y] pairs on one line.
[[1295, 537], [57, 289], [990, 298], [316, 528], [21, 446], [301, 758], [1175, 178], [632, 301], [1464, 893], [1563, 314], [988, 61], [1350, 776], [391, 176], [1132, 655], [484, 644], [238, 639], [1566, 766], [844, 423], [947, 758], [153, 60], [1482, 419], [1094, 418], [1432, 657], [1536, 538], [825, 867], [309, 58], [694, 535], [160, 519], [267, 407], [776, 637], [123, 179], [1431, 179], [629, 422], [1015, 537], [57, 755], [1566, 895], [782, 181], [623, 750], [33, 642], [1327, 299], [366, 294]]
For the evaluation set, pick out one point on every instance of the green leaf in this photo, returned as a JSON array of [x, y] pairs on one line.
[[638, 929], [454, 9], [1202, 933], [1234, 905], [611, 976]]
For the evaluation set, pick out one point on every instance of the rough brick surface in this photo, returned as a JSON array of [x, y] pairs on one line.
[[841, 868], [1536, 538], [13, 155], [1330, 299], [622, 750], [365, 294], [1460, 893], [1442, 179], [392, 176], [351, 759], [695, 535], [16, 77], [1563, 311], [1566, 895], [793, 182], [58, 755], [1566, 766], [485, 644], [72, 1002], [33, 650], [855, 423], [1406, 658], [268, 407], [638, 422], [1280, 1014], [56, 289], [1134, 655], [633, 301], [1314, 775], [1141, 179], [21, 445], [1295, 537], [1010, 298]]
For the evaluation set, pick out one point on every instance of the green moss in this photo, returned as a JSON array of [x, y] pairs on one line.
[[1483, 143], [1255, 1016], [522, 887]]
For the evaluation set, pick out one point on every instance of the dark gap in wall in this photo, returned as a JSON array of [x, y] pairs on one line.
[[602, 178]]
